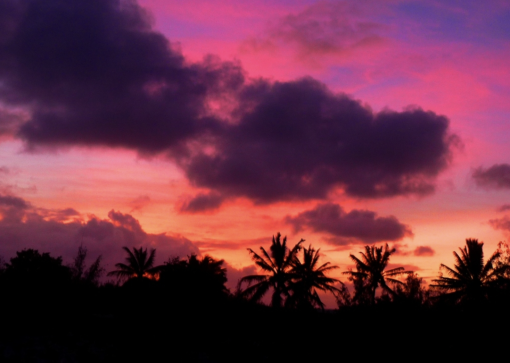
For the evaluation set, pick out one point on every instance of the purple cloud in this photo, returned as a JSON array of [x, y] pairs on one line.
[[504, 208], [61, 232], [356, 226], [298, 140], [202, 203], [95, 73], [424, 251], [494, 177]]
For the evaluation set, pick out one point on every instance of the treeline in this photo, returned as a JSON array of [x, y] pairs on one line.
[[67, 313]]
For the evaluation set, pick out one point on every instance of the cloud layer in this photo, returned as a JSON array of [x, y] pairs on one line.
[[95, 73], [61, 232], [356, 226]]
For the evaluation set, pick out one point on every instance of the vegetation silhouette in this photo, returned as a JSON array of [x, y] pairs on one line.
[[138, 265], [194, 278], [82, 274], [308, 277], [470, 281], [371, 273], [57, 312], [278, 264]]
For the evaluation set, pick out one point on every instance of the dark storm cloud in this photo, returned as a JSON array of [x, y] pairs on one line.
[[424, 251], [298, 140], [61, 232], [362, 226], [202, 203], [496, 177], [95, 73]]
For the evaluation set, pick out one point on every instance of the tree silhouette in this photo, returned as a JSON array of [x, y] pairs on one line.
[[370, 272], [470, 280], [278, 264], [138, 265], [308, 277], [195, 276], [79, 271]]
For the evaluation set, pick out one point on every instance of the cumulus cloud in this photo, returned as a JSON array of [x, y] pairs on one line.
[[356, 226], [95, 73], [235, 274], [424, 251], [297, 140], [61, 232], [494, 177]]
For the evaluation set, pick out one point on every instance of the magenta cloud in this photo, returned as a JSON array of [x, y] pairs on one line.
[[356, 226]]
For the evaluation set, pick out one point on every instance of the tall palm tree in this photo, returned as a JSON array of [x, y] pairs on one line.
[[470, 280], [138, 265], [277, 264], [371, 271], [308, 277]]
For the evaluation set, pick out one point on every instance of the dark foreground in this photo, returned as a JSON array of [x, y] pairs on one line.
[[128, 325]]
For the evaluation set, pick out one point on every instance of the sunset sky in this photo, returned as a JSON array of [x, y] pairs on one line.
[[207, 126]]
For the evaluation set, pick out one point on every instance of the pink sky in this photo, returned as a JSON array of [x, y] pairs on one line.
[[450, 58]]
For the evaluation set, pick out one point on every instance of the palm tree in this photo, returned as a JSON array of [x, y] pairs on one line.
[[308, 277], [370, 272], [470, 280], [138, 265], [277, 263]]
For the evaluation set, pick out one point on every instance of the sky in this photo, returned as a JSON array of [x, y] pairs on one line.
[[207, 127]]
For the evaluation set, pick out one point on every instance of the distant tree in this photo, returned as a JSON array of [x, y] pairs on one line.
[[412, 291], [79, 271], [371, 273], [195, 277], [308, 276], [30, 271], [138, 265], [277, 264], [470, 281]]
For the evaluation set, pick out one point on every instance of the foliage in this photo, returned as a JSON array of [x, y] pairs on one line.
[[33, 270], [308, 277], [471, 281], [194, 276], [138, 265], [371, 273], [79, 271], [278, 265]]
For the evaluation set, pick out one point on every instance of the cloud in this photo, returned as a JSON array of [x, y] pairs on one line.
[[501, 223], [95, 73], [494, 177], [298, 140], [504, 208], [356, 226], [202, 203], [61, 232], [234, 275], [325, 28], [139, 203], [424, 251]]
